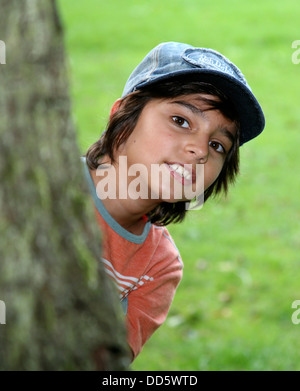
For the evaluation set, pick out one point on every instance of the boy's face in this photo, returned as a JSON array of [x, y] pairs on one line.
[[178, 132]]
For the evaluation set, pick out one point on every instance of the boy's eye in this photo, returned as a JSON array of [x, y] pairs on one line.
[[181, 121], [217, 146]]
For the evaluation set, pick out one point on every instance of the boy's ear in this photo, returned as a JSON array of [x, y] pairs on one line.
[[115, 107]]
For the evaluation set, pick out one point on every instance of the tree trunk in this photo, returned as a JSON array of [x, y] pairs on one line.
[[62, 313]]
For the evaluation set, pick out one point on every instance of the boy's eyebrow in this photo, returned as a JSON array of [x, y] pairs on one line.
[[189, 106], [228, 134]]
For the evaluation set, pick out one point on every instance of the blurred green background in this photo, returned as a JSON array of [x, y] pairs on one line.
[[232, 310]]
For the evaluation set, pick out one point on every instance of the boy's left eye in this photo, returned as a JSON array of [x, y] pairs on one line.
[[181, 122], [217, 146]]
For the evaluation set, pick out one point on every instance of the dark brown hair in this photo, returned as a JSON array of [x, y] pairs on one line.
[[124, 120]]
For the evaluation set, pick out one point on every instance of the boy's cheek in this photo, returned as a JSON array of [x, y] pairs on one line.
[[211, 174]]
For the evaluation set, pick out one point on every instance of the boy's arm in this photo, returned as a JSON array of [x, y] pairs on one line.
[[148, 306]]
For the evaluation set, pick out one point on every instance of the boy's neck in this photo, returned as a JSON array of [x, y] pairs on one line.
[[132, 222], [126, 212]]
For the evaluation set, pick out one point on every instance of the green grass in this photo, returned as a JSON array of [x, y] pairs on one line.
[[232, 310]]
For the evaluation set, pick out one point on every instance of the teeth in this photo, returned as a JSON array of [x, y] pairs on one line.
[[180, 169]]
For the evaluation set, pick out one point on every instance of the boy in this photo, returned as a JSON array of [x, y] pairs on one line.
[[182, 108]]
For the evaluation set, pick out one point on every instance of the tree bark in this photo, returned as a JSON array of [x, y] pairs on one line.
[[62, 313]]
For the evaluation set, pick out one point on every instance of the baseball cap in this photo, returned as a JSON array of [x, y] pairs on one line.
[[171, 59]]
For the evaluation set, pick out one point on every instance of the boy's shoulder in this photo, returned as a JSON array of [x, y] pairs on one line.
[[165, 243]]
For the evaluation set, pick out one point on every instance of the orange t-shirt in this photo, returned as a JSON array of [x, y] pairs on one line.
[[146, 268]]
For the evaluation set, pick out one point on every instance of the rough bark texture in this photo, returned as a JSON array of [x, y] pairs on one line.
[[61, 311]]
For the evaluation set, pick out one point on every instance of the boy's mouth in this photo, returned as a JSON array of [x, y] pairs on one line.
[[183, 173]]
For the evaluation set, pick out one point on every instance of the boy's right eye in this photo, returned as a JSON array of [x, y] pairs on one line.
[[183, 123]]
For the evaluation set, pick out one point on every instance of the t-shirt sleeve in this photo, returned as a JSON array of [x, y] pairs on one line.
[[148, 306]]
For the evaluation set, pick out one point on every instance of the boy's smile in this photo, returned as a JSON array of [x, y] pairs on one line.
[[184, 174], [179, 134]]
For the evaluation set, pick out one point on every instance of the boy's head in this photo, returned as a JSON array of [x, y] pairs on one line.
[[169, 60], [174, 69]]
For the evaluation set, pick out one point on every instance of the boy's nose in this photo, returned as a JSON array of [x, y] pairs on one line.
[[199, 151]]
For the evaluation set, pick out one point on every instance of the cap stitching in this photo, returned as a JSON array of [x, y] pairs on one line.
[[154, 59], [231, 66]]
